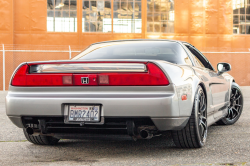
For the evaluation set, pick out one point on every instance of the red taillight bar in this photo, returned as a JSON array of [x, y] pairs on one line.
[[153, 77]]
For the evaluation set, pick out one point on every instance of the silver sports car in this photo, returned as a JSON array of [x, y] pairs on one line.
[[141, 88]]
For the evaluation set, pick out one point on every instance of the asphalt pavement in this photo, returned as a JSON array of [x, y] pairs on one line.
[[226, 145]]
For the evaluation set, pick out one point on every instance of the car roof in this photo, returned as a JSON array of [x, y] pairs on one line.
[[127, 40]]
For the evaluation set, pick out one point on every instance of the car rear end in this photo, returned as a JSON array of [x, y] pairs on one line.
[[119, 97]]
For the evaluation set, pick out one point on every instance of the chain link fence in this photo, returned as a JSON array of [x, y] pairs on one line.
[[13, 55]]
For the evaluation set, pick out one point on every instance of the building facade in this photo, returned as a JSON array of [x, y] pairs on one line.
[[219, 28]]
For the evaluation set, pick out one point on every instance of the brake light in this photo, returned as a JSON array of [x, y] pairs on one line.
[[153, 76]]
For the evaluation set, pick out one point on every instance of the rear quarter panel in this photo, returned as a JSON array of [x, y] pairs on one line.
[[185, 82]]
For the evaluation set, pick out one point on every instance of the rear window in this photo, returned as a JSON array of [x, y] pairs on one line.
[[153, 50]]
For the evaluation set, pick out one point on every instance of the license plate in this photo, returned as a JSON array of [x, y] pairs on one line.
[[81, 113]]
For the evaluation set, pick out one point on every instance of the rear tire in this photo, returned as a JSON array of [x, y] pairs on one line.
[[194, 134], [40, 139], [235, 108]]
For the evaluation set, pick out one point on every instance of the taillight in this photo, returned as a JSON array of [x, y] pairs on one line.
[[23, 78], [20, 76], [48, 80], [153, 76]]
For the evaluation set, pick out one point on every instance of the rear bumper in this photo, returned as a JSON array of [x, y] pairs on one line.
[[160, 104], [162, 124]]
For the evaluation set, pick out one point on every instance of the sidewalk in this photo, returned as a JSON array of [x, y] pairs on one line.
[[2, 96]]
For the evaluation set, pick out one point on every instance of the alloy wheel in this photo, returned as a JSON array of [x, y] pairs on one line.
[[202, 116], [235, 104]]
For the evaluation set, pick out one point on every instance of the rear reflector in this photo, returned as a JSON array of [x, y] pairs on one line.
[[184, 97], [153, 76]]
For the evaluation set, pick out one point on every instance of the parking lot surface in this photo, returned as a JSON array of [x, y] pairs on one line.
[[226, 145]]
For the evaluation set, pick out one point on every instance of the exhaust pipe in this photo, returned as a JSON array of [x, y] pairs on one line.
[[32, 131], [36, 132], [145, 134], [29, 130]]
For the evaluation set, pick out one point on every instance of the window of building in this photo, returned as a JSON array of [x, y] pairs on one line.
[[62, 15], [96, 16], [241, 16], [160, 16], [127, 16]]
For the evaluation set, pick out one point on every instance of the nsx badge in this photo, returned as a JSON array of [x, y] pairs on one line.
[[85, 80]]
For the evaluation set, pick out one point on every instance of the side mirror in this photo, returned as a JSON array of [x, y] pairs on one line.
[[223, 67]]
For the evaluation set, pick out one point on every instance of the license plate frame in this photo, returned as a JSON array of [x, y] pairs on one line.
[[83, 107]]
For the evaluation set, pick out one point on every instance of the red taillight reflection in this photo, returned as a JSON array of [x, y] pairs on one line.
[[153, 77]]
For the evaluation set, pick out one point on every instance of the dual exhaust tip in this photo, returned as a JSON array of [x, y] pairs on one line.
[[29, 130], [32, 131], [140, 132], [145, 134]]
